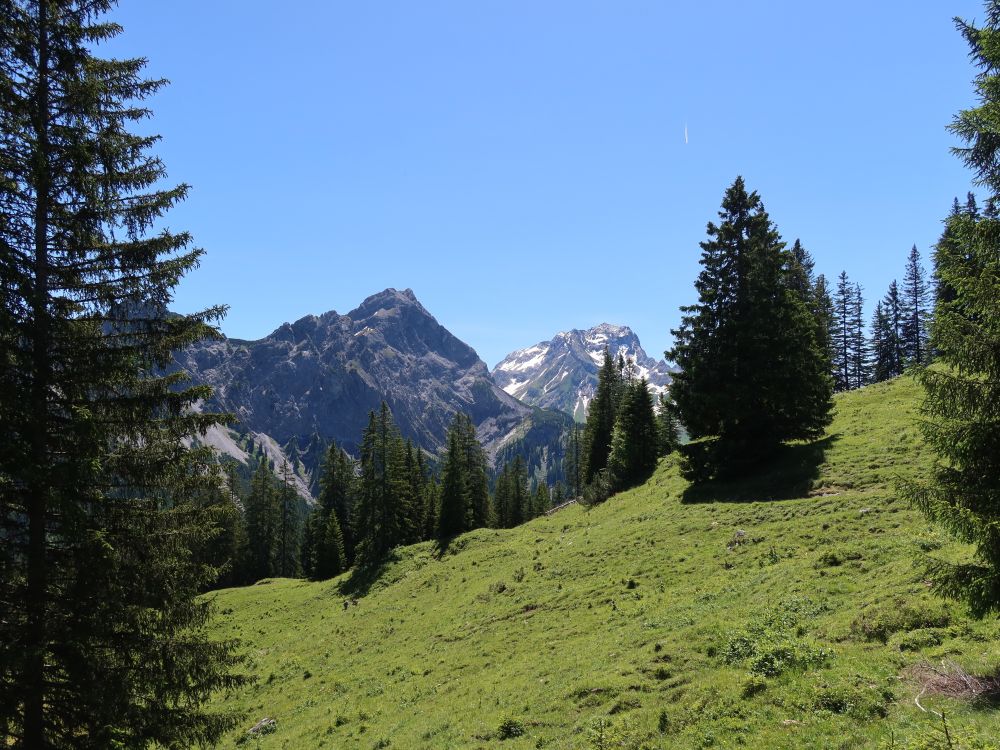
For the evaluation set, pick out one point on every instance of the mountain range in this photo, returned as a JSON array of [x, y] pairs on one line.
[[562, 373], [316, 380]]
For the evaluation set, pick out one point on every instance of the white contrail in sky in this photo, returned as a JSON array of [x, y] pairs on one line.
[[685, 133]]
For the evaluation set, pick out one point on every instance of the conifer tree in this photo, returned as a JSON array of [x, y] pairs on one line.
[[887, 350], [843, 338], [634, 442], [859, 343], [914, 311], [379, 511], [337, 486], [104, 525], [667, 432], [454, 517], [962, 391], [601, 417], [289, 531], [263, 519], [826, 328], [541, 501], [573, 461], [747, 319]]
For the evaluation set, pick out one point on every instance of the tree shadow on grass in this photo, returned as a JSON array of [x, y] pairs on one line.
[[788, 473], [362, 578]]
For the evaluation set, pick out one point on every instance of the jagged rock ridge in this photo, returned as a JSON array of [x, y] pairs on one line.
[[562, 373], [315, 380]]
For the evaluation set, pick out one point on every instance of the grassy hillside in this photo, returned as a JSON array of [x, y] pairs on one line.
[[784, 612]]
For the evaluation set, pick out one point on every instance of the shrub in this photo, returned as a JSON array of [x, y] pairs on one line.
[[510, 728], [878, 623]]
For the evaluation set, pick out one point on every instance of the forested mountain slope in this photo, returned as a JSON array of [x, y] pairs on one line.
[[785, 611]]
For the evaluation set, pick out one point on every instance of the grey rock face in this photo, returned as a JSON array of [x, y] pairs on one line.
[[316, 380]]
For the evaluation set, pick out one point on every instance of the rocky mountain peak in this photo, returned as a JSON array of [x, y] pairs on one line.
[[562, 373]]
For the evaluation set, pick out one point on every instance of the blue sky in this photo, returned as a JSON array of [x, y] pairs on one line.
[[522, 165]]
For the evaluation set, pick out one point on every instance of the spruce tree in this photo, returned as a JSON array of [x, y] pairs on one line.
[[667, 432], [963, 389], [455, 517], [823, 309], [103, 504], [843, 335], [289, 526], [380, 513], [601, 417], [859, 342], [747, 319], [916, 293], [541, 500], [336, 495], [634, 441], [263, 519]]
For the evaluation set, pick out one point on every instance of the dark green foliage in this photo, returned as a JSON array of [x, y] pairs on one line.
[[574, 460], [914, 312], [338, 485], [748, 318], [262, 511], [511, 500], [962, 392], [381, 512], [888, 358], [289, 527], [601, 418], [541, 500], [106, 515], [823, 310], [635, 440], [667, 432], [465, 498]]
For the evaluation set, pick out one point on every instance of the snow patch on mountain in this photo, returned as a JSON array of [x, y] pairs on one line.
[[562, 373]]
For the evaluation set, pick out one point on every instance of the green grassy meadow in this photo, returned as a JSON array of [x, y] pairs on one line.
[[787, 611]]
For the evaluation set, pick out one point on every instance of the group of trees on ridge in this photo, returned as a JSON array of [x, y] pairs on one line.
[[112, 521], [389, 497]]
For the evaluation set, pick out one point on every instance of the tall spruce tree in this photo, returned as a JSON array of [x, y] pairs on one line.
[[601, 417], [337, 492], [667, 432], [843, 332], [963, 389], [747, 319], [859, 343], [263, 519], [634, 441], [916, 295], [380, 513], [823, 309], [102, 638], [289, 526]]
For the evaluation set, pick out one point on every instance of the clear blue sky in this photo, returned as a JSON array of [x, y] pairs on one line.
[[521, 164]]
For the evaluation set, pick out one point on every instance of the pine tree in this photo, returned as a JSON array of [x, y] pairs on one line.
[[541, 501], [337, 494], [455, 517], [826, 330], [601, 417], [380, 513], [263, 518], [104, 525], [887, 351], [289, 531], [963, 389], [667, 432], [916, 293], [634, 441], [859, 343], [843, 309], [747, 319], [573, 461]]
